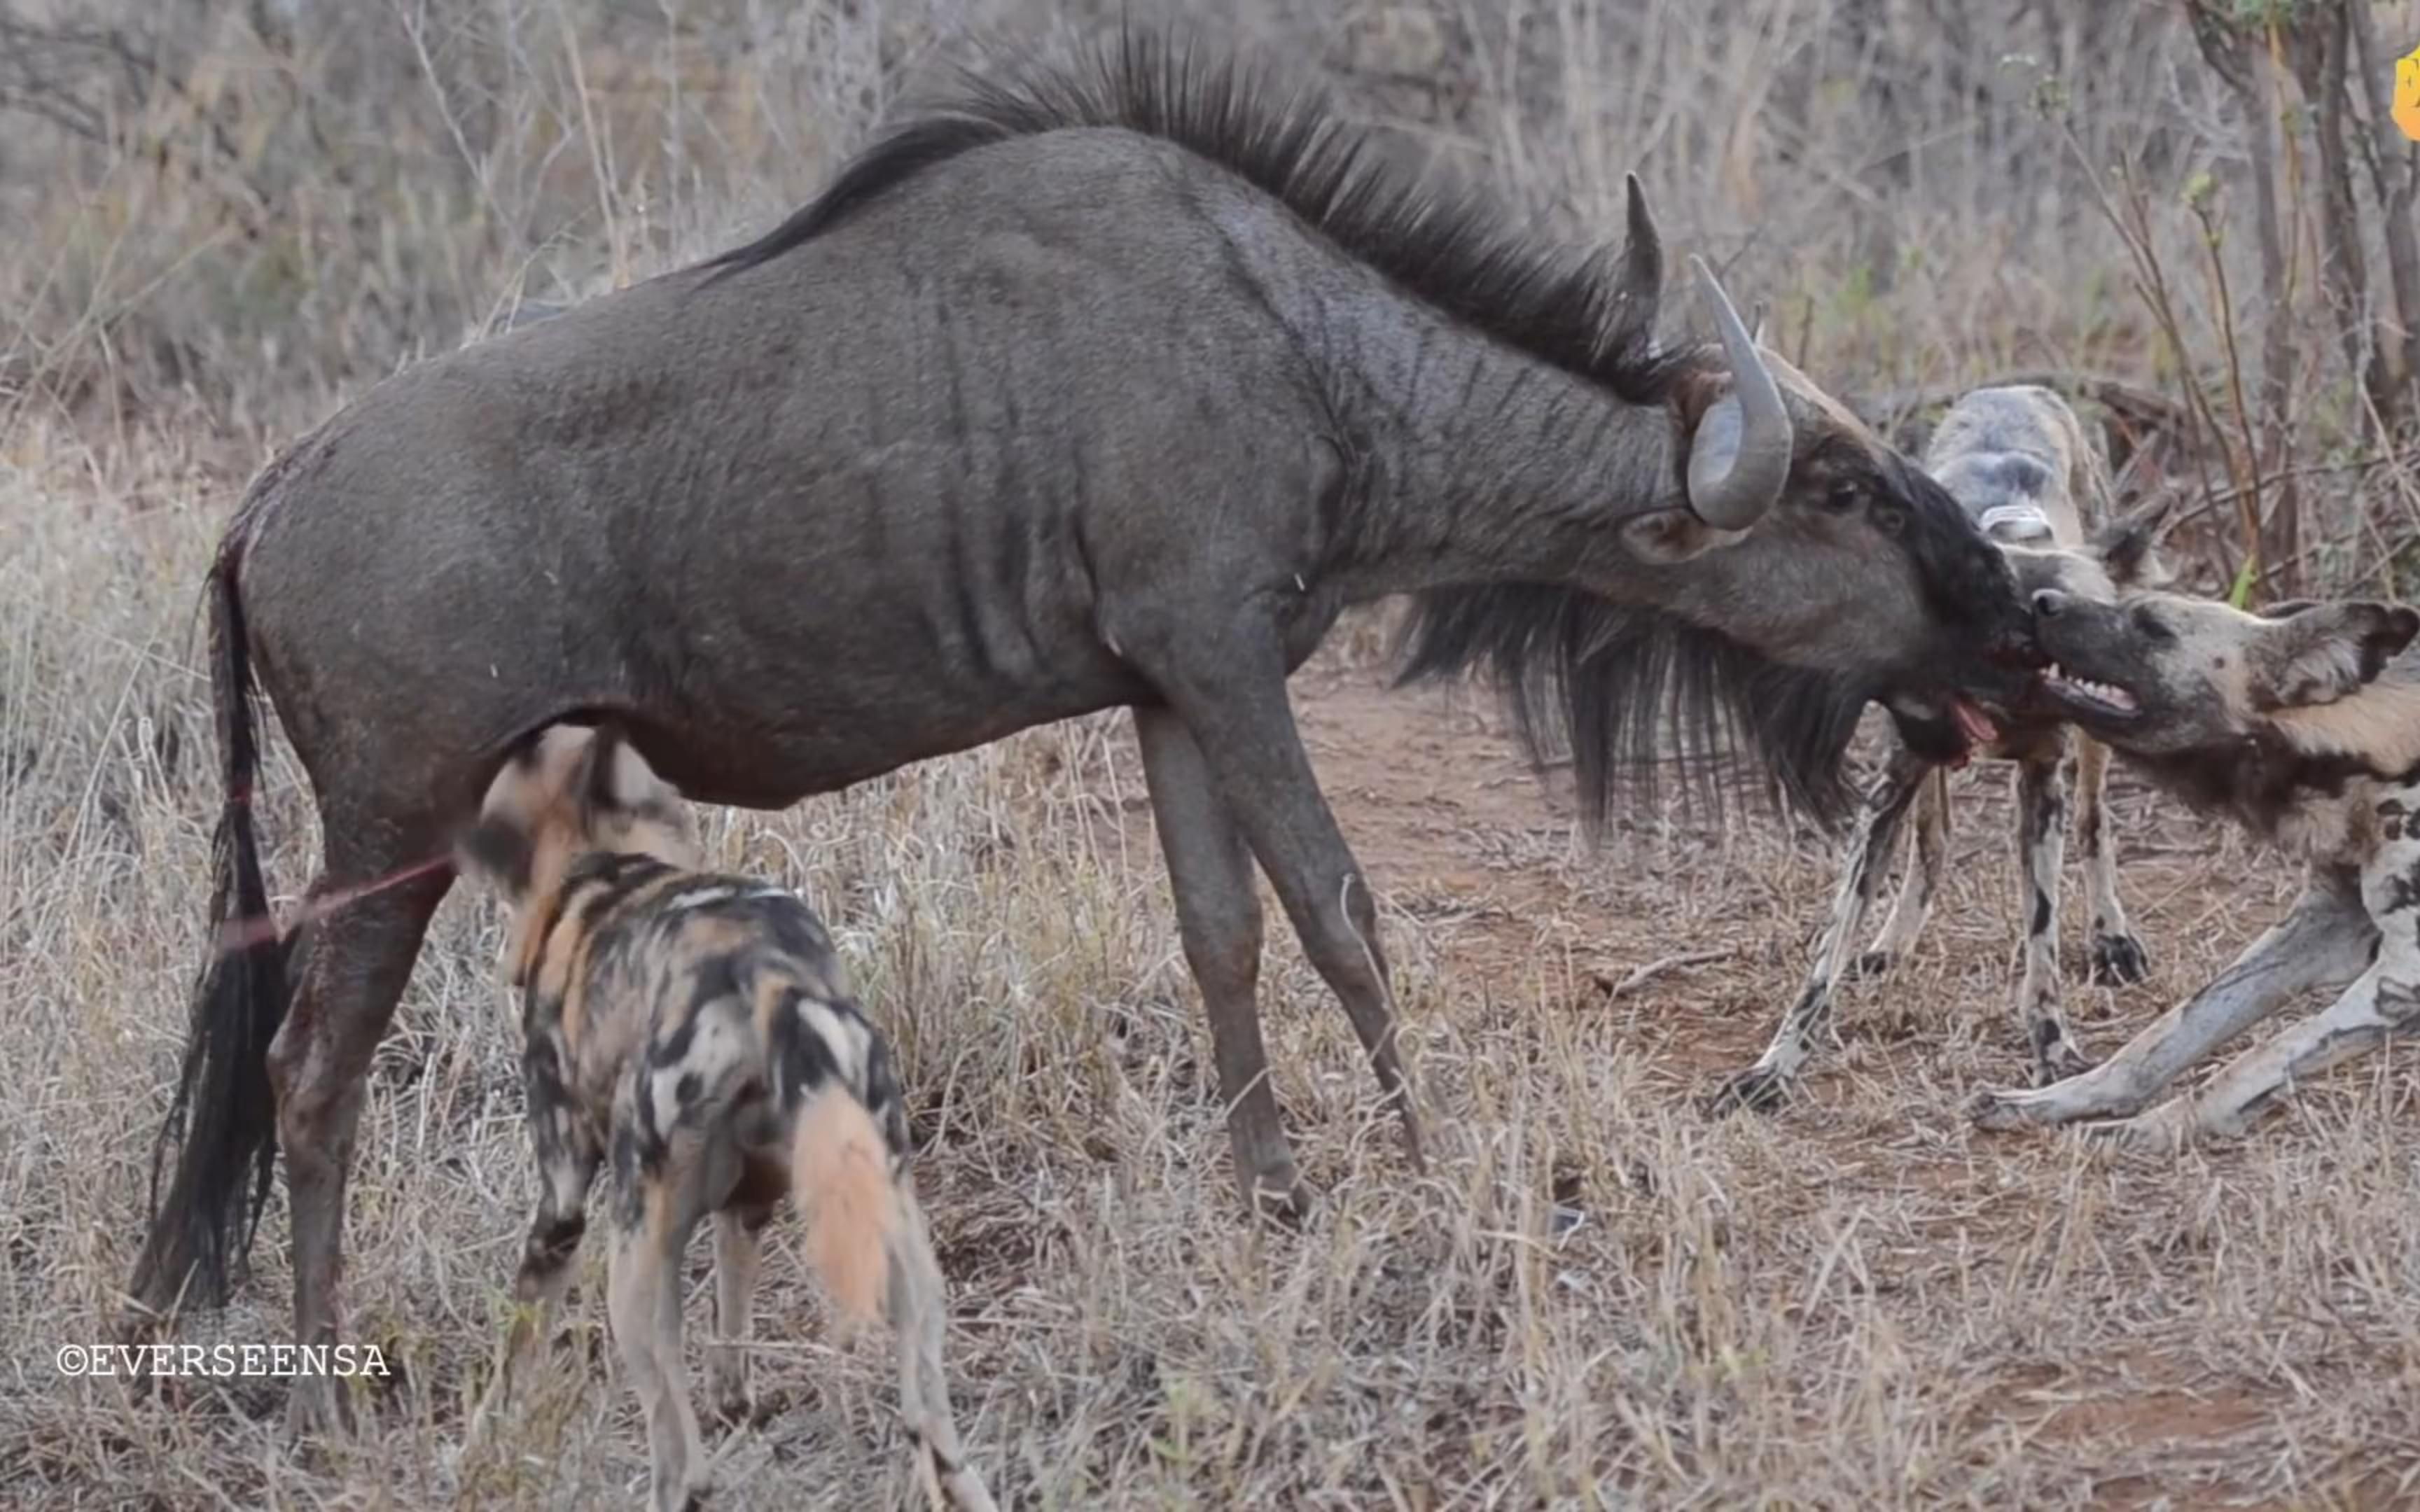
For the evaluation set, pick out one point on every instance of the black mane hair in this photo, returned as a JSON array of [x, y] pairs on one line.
[[1575, 668]]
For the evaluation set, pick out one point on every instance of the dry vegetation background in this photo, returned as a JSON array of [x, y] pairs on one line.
[[220, 220]]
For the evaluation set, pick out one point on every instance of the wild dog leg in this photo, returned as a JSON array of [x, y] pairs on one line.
[[2118, 959], [566, 1166], [917, 1317], [1869, 852], [2041, 838], [2383, 1000], [354, 962], [1922, 884], [1229, 687], [738, 1252], [644, 1300], [2324, 941], [1219, 917]]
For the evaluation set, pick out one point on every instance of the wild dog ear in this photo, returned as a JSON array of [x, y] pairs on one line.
[[619, 778], [2324, 652], [497, 848], [2126, 551], [1662, 537]]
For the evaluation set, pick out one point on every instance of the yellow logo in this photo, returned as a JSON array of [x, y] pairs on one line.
[[2407, 95]]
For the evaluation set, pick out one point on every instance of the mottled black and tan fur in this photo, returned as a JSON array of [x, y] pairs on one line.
[[2301, 724], [2017, 460], [694, 1031]]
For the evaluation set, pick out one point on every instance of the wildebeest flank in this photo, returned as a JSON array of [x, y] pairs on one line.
[[1108, 385]]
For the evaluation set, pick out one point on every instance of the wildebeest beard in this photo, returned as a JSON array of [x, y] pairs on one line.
[[1627, 692]]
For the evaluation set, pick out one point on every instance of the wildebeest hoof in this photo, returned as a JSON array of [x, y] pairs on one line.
[[2118, 961], [1868, 966], [317, 1407], [1756, 1089], [1279, 1197]]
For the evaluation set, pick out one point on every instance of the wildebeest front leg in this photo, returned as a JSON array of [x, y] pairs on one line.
[[2041, 842], [1231, 692], [1870, 846], [355, 961], [1219, 917], [2118, 959], [2324, 942]]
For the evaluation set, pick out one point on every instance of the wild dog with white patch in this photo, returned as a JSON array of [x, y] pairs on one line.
[[697, 1028], [2301, 724], [2017, 460]]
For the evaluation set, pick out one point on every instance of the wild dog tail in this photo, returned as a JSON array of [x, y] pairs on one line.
[[840, 1175], [224, 1117]]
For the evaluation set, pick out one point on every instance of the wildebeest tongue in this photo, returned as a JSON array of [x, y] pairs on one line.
[[1973, 723]]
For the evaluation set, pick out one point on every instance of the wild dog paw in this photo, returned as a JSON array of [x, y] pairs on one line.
[[1756, 1089], [2056, 1056], [2006, 1109], [2156, 1133], [1868, 967], [2118, 961]]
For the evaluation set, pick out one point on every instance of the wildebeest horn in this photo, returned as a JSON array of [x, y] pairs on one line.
[[1740, 457], [1642, 251]]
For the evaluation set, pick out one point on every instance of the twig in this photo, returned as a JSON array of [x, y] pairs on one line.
[[1639, 977]]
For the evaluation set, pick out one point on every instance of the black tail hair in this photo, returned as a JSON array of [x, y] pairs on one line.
[[224, 1117]]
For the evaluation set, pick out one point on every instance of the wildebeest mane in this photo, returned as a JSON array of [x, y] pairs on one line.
[[1624, 692], [1440, 236]]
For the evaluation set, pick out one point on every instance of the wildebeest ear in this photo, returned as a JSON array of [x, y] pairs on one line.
[[498, 850], [2322, 653], [1663, 536], [2126, 552]]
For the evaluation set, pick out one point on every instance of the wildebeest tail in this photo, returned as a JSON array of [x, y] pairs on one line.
[[839, 1176], [224, 1119]]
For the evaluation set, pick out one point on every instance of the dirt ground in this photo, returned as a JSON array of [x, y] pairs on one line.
[[1596, 1297]]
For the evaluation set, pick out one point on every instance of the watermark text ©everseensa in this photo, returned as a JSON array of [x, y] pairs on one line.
[[220, 1360]]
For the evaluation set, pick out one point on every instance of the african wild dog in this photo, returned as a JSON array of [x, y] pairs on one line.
[[697, 1028], [2018, 461], [2302, 725]]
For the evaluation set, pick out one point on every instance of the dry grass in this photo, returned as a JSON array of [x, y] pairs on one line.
[[1856, 1302]]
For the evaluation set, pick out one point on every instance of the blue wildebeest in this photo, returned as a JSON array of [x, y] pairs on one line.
[[2301, 724], [2017, 459], [1110, 384]]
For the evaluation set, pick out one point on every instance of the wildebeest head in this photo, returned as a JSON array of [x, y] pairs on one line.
[[2162, 676], [1811, 540], [570, 791]]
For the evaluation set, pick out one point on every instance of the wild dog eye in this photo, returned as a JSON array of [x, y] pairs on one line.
[[2148, 626]]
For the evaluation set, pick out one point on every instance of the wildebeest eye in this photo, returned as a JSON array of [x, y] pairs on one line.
[[1842, 498], [2148, 626]]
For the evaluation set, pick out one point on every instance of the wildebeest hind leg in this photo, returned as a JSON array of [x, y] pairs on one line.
[[1219, 916], [354, 962], [1230, 691]]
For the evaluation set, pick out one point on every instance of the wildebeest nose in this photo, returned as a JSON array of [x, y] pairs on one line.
[[2049, 603]]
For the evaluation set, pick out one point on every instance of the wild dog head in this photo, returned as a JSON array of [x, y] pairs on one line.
[[2163, 677], [2017, 460], [568, 793]]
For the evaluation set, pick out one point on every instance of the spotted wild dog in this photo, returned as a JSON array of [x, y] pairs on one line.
[[2018, 462], [698, 1028], [2301, 724]]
